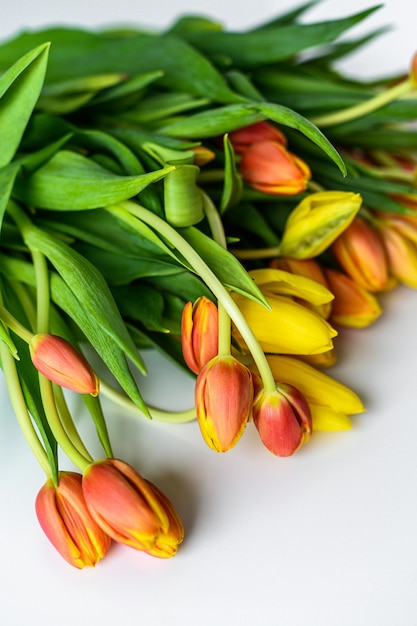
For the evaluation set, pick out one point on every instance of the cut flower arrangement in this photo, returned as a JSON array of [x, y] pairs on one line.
[[227, 198]]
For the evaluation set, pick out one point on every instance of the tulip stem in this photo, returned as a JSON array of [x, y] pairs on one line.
[[174, 417], [364, 108], [214, 284], [61, 436], [14, 325], [20, 409], [68, 422], [257, 253], [218, 234], [42, 291]]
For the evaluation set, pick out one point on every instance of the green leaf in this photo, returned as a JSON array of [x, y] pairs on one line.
[[232, 186], [226, 267], [20, 87], [77, 53], [88, 285], [222, 120], [270, 45], [71, 181], [8, 177]]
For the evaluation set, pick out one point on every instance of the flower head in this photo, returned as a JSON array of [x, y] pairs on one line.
[[283, 419], [67, 522], [360, 252], [316, 222], [353, 306], [223, 399], [199, 333], [268, 167], [59, 361], [287, 326], [246, 136], [130, 509]]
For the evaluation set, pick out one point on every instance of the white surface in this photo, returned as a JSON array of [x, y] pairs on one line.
[[325, 538]]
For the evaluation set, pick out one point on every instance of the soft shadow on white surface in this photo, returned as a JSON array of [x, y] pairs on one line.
[[325, 538]]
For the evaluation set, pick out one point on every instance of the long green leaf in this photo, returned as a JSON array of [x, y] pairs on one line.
[[20, 87], [71, 181], [270, 45]]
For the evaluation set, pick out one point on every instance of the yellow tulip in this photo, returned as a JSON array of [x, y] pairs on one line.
[[287, 327], [317, 221], [316, 386], [325, 418]]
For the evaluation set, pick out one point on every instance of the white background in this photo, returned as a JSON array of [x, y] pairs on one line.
[[326, 537]]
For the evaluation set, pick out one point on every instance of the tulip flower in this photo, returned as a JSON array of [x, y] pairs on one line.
[[353, 306], [287, 326], [67, 522], [317, 221], [283, 419], [309, 268], [401, 253], [61, 363], [317, 387], [361, 254], [130, 509], [327, 419], [199, 333], [244, 137], [268, 167], [223, 399]]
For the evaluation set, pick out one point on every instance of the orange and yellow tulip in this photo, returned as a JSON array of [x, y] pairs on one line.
[[66, 521], [61, 363], [131, 509]]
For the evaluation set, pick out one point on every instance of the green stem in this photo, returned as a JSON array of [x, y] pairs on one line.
[[257, 253], [359, 110], [68, 423], [19, 406], [58, 431], [42, 291], [218, 234], [14, 325], [212, 282], [177, 417]]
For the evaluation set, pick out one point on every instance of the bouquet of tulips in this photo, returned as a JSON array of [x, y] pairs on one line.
[[223, 197]]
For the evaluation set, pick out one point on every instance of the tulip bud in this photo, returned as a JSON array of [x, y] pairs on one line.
[[223, 399], [268, 167], [360, 252], [244, 137], [353, 306], [130, 509], [199, 333], [67, 522], [327, 419], [316, 222], [401, 253], [283, 419], [202, 155], [61, 363]]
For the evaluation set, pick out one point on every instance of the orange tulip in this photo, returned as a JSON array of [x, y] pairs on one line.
[[223, 399], [360, 252], [199, 333], [130, 509], [61, 363], [283, 419], [353, 306], [268, 167], [244, 137], [67, 522]]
